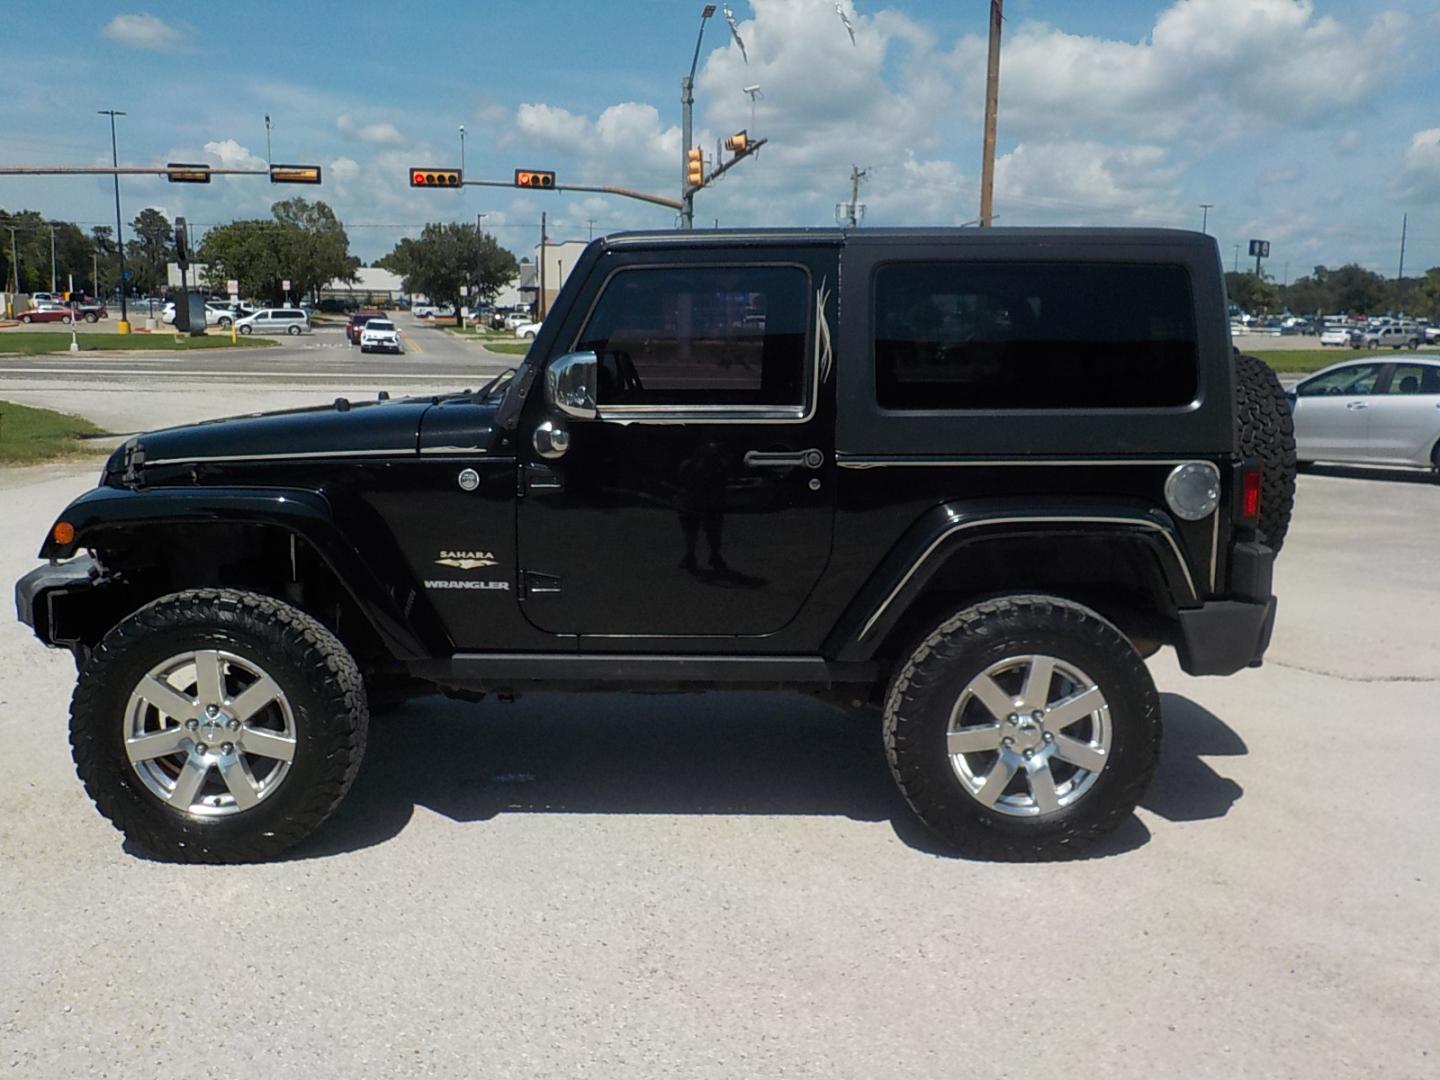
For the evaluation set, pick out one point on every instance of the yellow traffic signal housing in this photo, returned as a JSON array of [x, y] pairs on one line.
[[447, 178], [531, 178], [695, 167], [295, 174], [737, 143]]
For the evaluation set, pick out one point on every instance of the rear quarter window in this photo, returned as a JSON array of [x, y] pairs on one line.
[[970, 335]]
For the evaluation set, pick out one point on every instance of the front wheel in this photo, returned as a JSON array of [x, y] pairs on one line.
[[66, 319], [224, 324], [293, 331], [91, 317], [1022, 728], [26, 319], [246, 330], [218, 726]]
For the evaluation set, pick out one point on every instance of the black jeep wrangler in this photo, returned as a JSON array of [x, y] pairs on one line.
[[966, 479]]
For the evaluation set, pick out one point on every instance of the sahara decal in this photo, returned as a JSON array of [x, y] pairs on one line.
[[466, 560]]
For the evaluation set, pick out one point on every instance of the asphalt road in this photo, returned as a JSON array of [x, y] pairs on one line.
[[704, 886], [128, 391]]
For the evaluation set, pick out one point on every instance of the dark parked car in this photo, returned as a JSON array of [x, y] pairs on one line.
[[962, 480]]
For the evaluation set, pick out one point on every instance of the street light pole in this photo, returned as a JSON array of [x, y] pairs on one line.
[[1205, 215], [462, 149], [52, 257], [687, 105], [992, 110], [124, 325]]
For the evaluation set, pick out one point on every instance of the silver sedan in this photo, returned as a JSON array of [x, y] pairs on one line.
[[1374, 412]]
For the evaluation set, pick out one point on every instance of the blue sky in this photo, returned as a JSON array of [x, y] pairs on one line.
[[1312, 123]]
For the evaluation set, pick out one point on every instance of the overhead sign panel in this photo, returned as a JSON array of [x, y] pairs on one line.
[[295, 174], [179, 172]]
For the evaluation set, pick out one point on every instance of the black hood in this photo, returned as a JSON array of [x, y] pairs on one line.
[[339, 430]]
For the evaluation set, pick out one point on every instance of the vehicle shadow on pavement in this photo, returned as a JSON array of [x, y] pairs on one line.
[[1363, 472], [751, 753], [1185, 787]]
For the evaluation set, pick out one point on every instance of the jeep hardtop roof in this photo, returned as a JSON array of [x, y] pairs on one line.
[[1130, 237]]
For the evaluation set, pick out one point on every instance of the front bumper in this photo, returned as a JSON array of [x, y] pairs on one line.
[[38, 593]]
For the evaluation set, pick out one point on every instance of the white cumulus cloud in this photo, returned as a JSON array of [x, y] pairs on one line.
[[144, 31], [377, 134], [1419, 176]]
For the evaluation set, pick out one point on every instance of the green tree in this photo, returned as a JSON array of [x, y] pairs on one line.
[[1355, 289], [446, 256], [1252, 294], [1429, 294], [304, 243], [152, 248]]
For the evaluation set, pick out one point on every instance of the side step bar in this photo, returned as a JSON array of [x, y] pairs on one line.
[[618, 671]]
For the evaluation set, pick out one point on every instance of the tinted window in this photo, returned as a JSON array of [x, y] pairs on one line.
[[1355, 379], [1415, 379], [701, 336], [970, 335]]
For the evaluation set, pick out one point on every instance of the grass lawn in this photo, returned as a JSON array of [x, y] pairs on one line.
[[1304, 361], [510, 348], [30, 435], [32, 344]]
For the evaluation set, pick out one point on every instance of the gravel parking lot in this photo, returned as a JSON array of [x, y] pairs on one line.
[[718, 887]]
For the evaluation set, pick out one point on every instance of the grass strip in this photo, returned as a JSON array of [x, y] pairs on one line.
[[1305, 361], [21, 343], [29, 435]]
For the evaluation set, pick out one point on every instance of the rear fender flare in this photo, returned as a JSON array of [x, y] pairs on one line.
[[949, 529], [374, 577]]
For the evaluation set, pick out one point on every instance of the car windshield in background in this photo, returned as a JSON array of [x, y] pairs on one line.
[[379, 324]]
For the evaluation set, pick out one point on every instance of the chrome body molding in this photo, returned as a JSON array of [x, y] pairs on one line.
[[454, 450], [299, 455], [854, 461], [1142, 523]]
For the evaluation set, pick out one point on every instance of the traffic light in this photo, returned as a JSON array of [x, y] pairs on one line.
[[182, 173], [295, 174], [449, 178], [530, 178], [695, 167], [737, 143]]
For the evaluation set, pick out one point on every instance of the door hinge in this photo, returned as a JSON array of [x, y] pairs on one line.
[[533, 584]]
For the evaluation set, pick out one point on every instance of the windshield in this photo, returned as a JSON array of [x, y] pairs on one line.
[[379, 324]]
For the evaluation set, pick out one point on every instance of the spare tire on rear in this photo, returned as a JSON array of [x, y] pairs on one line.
[[1265, 431]]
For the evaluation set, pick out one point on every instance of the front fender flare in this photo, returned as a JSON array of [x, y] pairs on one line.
[[940, 533], [373, 576]]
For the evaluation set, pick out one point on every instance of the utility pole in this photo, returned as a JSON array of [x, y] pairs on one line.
[[124, 325], [267, 140], [1205, 215], [992, 109], [1404, 227], [687, 105], [480, 222], [853, 211], [540, 300], [14, 260], [52, 257], [462, 149], [1236, 268]]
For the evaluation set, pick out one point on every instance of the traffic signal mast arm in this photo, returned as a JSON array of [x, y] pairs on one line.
[[720, 170], [602, 189]]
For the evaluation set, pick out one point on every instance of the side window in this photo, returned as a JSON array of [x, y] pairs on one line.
[[1009, 335], [1407, 379], [718, 335], [1352, 380]]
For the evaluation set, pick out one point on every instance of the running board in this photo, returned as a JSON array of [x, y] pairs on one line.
[[602, 671]]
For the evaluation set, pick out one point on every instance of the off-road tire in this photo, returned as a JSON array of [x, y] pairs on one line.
[[312, 667], [1265, 430], [928, 683]]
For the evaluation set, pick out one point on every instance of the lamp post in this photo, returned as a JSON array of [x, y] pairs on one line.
[[687, 105], [124, 325], [1205, 215], [462, 149]]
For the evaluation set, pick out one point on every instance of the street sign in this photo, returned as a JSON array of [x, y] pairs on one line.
[[285, 284], [464, 290], [1260, 249], [295, 174], [232, 286]]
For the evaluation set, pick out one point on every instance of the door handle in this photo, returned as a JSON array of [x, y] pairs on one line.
[[784, 459], [1356, 405]]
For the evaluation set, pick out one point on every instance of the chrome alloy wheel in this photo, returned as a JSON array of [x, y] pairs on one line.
[[209, 733], [1029, 735]]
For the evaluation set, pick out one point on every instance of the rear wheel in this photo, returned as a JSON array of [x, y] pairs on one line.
[[246, 330], [1265, 431], [293, 331], [218, 726], [1022, 728], [91, 317], [26, 319]]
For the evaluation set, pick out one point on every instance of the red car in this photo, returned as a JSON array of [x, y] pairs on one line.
[[357, 323], [48, 313]]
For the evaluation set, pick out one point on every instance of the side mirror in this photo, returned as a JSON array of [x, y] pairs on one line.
[[570, 383]]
